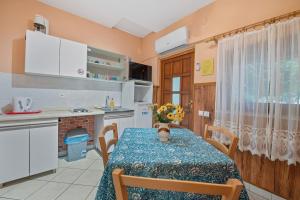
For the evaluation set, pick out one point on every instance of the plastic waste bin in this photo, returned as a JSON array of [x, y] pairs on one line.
[[76, 139]]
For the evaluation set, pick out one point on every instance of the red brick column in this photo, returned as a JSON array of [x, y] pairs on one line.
[[68, 123]]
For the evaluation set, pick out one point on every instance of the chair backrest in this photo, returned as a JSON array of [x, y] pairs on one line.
[[106, 145], [230, 151], [229, 191]]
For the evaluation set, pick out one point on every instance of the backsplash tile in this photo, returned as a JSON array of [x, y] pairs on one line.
[[57, 93]]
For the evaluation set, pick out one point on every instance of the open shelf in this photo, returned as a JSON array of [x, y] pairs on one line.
[[105, 66]]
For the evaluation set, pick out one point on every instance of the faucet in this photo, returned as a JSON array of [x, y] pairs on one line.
[[106, 101]]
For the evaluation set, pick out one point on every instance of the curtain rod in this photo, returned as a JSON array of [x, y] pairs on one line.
[[215, 38], [250, 26]]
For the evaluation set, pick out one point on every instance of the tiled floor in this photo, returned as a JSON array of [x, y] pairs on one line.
[[76, 180]]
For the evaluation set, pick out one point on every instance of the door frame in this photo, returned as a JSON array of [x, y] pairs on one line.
[[162, 60]]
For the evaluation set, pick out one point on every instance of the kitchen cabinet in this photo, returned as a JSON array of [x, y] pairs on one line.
[[126, 122], [43, 148], [48, 55], [28, 149], [14, 154], [122, 119], [73, 58], [41, 53]]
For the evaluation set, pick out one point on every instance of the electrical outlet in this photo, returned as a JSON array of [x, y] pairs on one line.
[[200, 113]]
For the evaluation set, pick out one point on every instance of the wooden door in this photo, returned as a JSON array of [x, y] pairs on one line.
[[177, 80]]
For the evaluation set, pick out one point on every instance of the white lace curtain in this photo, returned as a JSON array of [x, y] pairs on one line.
[[258, 90]]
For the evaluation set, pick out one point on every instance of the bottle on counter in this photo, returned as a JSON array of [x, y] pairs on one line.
[[112, 104]]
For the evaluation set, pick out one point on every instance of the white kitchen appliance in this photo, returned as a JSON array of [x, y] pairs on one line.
[[22, 104], [177, 38], [143, 115]]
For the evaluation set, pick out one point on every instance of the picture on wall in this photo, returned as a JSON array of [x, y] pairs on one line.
[[207, 67]]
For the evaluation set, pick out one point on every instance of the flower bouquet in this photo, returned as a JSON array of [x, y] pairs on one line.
[[166, 114]]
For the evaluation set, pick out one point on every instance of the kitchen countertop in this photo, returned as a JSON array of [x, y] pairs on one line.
[[48, 115]]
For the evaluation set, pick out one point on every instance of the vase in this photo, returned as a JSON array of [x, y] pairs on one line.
[[164, 132]]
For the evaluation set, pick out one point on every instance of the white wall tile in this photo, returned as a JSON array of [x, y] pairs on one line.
[[51, 93]]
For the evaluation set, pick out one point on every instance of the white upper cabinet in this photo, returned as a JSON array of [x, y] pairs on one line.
[[73, 58], [42, 53]]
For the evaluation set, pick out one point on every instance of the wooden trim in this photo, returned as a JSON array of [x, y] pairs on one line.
[[229, 191], [177, 53], [198, 85]]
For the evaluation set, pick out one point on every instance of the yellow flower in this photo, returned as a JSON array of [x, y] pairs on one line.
[[159, 110], [164, 108], [169, 105], [170, 116]]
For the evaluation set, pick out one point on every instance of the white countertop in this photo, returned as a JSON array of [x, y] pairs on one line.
[[48, 115]]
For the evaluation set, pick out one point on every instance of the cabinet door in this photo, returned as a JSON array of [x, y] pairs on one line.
[[43, 148], [127, 122], [41, 53], [110, 134], [14, 154], [73, 58]]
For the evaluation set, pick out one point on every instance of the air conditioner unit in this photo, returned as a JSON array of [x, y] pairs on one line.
[[172, 40]]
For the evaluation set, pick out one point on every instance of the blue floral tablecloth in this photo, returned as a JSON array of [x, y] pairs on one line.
[[185, 157]]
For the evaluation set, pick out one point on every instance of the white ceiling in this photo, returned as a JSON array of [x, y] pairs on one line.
[[138, 17]]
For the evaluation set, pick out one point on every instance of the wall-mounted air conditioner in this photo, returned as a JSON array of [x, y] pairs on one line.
[[172, 40]]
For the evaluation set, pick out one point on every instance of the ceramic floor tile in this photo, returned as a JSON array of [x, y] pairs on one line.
[[92, 195], [48, 175], [78, 164], [76, 192], [63, 163], [97, 165], [93, 154], [253, 196], [5, 189], [50, 191], [23, 190], [89, 177], [68, 175]]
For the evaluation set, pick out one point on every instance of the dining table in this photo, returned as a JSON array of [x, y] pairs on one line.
[[186, 156]]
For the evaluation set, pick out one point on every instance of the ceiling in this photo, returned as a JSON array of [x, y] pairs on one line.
[[137, 17]]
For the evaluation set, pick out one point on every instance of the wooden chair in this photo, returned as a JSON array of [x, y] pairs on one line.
[[105, 146], [229, 191], [233, 138]]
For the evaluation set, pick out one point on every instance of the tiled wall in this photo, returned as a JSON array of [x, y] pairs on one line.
[[56, 92], [68, 123]]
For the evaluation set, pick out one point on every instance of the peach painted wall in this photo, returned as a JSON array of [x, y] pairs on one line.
[[216, 18], [16, 16]]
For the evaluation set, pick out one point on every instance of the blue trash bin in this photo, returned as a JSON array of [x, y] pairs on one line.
[[76, 139]]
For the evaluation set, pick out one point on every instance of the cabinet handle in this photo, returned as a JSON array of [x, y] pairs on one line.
[[80, 71]]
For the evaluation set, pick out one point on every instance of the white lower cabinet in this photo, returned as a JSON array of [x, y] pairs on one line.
[[43, 149], [123, 120], [14, 154], [27, 150], [127, 122]]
